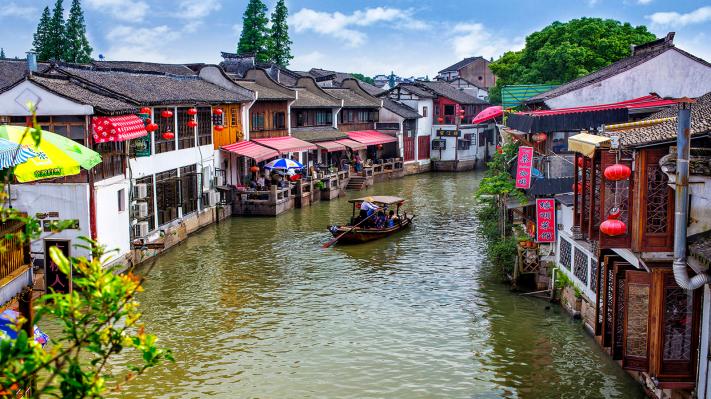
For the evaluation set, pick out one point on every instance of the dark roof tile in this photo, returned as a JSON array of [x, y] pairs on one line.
[[317, 134], [137, 66], [12, 71], [350, 98], [444, 89], [461, 64], [102, 103], [400, 109]]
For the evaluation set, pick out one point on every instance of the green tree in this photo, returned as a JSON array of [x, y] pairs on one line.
[[39, 42], [564, 51], [362, 78], [2, 53], [279, 43], [56, 33], [77, 48], [254, 38]]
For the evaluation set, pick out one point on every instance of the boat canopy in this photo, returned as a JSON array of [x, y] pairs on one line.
[[379, 199]]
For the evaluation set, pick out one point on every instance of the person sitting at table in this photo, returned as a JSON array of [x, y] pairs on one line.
[[260, 183]]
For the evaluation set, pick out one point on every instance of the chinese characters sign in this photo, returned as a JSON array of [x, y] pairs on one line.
[[545, 220], [54, 278], [523, 170]]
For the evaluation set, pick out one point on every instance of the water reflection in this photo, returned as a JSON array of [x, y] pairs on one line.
[[254, 307]]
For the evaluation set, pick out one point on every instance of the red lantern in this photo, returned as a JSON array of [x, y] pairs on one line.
[[499, 149], [166, 113], [254, 169], [152, 127], [219, 128], [168, 135], [217, 111], [613, 227], [539, 137], [192, 111], [617, 172], [578, 188], [440, 119], [145, 110], [380, 146], [581, 162], [192, 123]]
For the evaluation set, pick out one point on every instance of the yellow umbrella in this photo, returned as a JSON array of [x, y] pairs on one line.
[[57, 155]]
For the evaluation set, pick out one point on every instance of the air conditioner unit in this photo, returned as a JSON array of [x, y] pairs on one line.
[[140, 210], [213, 198], [140, 229], [140, 191]]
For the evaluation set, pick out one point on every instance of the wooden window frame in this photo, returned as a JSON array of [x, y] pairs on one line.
[[204, 127]]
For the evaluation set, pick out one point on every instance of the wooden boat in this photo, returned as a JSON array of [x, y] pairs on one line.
[[364, 234]]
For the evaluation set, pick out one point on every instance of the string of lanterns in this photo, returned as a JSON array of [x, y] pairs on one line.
[[613, 226]]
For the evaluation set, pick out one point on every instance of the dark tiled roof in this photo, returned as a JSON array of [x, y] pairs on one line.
[[350, 98], [339, 77], [175, 69], [401, 109], [665, 132], [414, 89], [317, 134], [263, 92], [461, 64], [12, 71], [550, 186], [155, 88], [307, 99], [444, 89], [567, 199], [609, 71], [102, 103]]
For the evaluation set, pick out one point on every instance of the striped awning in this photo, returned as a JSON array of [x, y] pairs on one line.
[[353, 145], [117, 128], [286, 144], [371, 137], [12, 154], [331, 146], [251, 150]]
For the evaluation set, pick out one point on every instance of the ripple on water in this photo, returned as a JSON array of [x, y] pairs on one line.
[[254, 308]]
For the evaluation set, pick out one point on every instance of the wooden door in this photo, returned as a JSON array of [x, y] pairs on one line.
[[232, 126], [619, 305], [423, 147], [409, 148], [656, 205], [635, 354]]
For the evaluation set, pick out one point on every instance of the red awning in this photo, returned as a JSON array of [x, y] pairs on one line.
[[251, 150], [635, 103], [353, 145], [286, 144], [371, 137], [331, 146], [117, 128]]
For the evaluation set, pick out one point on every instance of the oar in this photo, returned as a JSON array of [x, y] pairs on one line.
[[328, 244]]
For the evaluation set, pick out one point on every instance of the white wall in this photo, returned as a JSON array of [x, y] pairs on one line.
[[448, 154], [47, 103], [112, 225], [70, 200], [156, 163], [564, 216], [670, 74]]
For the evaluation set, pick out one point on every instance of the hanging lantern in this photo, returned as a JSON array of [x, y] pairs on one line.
[[613, 227], [617, 172], [578, 188], [380, 146], [499, 149], [254, 169], [192, 123], [219, 128], [152, 127], [192, 111], [168, 135], [217, 111], [581, 162], [440, 119], [145, 110], [614, 213], [539, 137], [166, 114]]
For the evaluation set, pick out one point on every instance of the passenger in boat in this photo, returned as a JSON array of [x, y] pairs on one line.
[[392, 219], [380, 220]]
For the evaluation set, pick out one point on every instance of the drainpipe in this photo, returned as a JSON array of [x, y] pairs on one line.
[[682, 203]]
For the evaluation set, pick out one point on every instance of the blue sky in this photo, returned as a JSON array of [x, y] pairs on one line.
[[369, 36]]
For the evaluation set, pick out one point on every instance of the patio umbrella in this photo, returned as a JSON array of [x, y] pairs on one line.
[[8, 320], [283, 164], [57, 155], [12, 154], [488, 113]]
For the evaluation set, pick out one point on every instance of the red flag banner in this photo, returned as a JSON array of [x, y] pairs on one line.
[[525, 164], [545, 220]]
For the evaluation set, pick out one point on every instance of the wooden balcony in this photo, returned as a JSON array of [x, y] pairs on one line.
[[15, 260]]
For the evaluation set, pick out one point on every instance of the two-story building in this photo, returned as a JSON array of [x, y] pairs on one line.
[[471, 69], [402, 120]]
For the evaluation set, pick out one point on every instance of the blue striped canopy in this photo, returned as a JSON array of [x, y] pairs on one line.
[[10, 155], [283, 164]]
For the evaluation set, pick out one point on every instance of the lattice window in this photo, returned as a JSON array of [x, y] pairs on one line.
[[619, 315], [657, 200], [678, 316], [566, 249], [637, 320], [186, 134], [594, 278], [608, 303], [617, 195], [580, 265], [596, 195], [164, 125]]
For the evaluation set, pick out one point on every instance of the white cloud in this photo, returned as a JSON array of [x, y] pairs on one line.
[[698, 45], [472, 39], [124, 10], [592, 3], [307, 61], [675, 19], [144, 44], [16, 10], [193, 12], [343, 26], [644, 2]]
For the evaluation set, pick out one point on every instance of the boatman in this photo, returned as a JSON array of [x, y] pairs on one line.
[[368, 206]]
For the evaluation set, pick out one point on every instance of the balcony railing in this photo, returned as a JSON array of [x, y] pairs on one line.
[[14, 254], [111, 165]]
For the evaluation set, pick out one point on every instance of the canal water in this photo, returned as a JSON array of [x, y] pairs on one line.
[[255, 308]]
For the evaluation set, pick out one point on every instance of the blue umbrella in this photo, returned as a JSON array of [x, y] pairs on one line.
[[8, 320], [283, 164], [12, 154]]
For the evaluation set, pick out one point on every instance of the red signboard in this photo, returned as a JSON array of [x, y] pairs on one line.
[[545, 220], [525, 164]]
